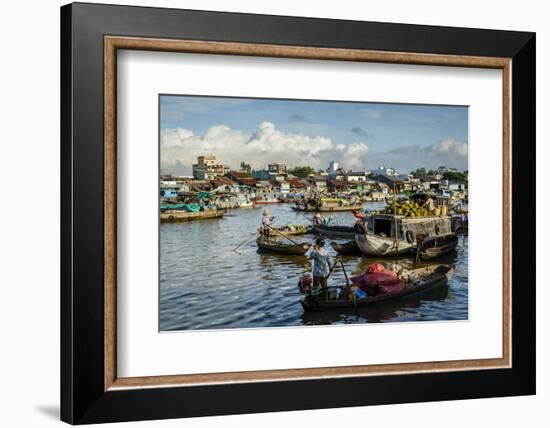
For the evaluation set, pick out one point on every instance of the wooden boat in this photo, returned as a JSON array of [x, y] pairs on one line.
[[379, 237], [326, 208], [437, 246], [279, 247], [378, 246], [334, 231], [301, 229], [349, 247], [431, 278], [266, 200], [179, 216]]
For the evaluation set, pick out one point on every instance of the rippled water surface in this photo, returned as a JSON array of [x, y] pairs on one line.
[[206, 284]]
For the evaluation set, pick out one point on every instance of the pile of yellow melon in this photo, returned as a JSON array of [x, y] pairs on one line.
[[407, 209]]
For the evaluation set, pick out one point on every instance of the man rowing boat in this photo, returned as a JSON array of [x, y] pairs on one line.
[[321, 264]]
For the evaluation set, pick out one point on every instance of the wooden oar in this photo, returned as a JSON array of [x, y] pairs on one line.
[[244, 242], [345, 274], [310, 219], [333, 266]]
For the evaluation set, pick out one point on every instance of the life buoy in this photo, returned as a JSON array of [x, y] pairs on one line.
[[171, 218], [410, 237]]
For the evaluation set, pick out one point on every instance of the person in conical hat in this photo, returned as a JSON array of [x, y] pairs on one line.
[[267, 221], [317, 219]]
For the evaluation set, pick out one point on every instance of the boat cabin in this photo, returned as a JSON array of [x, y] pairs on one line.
[[384, 225]]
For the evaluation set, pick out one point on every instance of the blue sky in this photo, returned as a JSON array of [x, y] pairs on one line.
[[358, 135]]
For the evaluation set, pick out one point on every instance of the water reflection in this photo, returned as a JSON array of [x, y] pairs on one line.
[[206, 284]]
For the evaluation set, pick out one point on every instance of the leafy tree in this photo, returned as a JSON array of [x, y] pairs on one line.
[[459, 177], [302, 171], [246, 167], [419, 173]]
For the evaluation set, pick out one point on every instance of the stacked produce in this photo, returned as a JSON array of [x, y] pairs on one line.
[[407, 209]]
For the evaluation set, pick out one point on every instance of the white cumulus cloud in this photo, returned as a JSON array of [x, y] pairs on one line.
[[181, 147]]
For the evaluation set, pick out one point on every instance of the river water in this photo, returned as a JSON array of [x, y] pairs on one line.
[[206, 284]]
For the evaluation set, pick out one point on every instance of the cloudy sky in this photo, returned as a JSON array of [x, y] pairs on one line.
[[357, 135]]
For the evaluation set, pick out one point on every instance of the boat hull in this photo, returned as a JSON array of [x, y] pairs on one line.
[[349, 248], [378, 246], [275, 247], [434, 278], [341, 232], [438, 247], [267, 202], [330, 209], [184, 216]]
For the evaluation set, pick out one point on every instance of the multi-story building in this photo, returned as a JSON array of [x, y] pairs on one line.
[[382, 170], [274, 172], [354, 176], [332, 168], [207, 168], [277, 168]]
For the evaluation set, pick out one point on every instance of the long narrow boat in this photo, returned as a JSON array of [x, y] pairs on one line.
[[327, 209], [437, 246], [334, 231], [278, 247], [348, 248], [431, 278], [179, 216]]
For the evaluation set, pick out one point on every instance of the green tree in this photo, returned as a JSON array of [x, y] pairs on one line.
[[302, 171], [246, 167], [459, 177], [419, 173]]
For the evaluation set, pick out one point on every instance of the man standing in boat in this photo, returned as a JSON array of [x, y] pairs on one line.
[[321, 264], [267, 222]]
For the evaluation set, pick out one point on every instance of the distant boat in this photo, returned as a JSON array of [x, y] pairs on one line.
[[180, 216], [328, 205], [431, 278], [267, 200]]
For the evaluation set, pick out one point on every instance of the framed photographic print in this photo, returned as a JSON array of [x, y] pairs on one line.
[[267, 213]]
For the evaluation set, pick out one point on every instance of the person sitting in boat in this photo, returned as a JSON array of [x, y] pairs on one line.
[[429, 204], [321, 264], [317, 219], [267, 222]]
